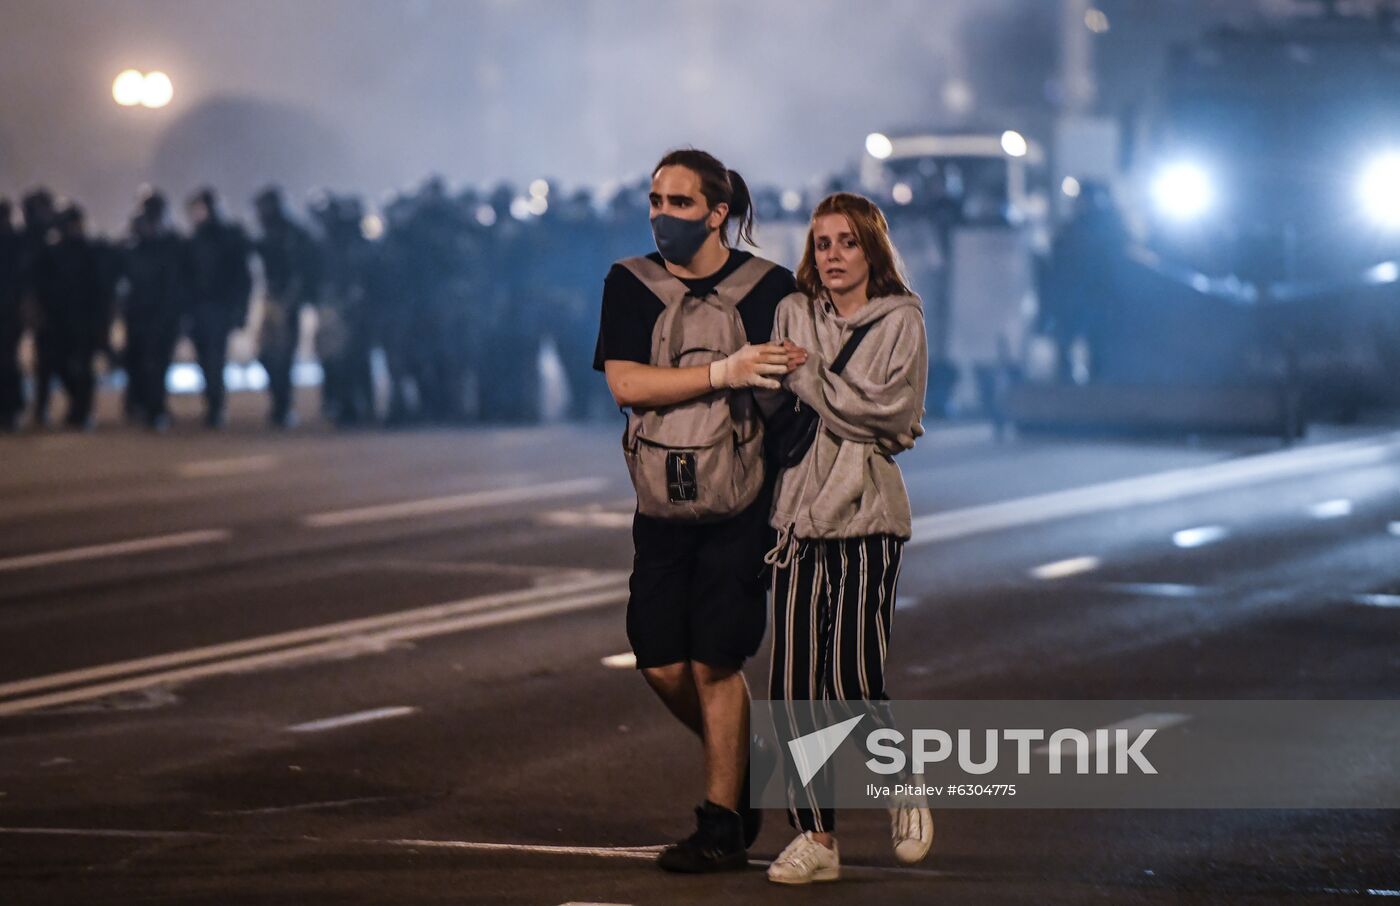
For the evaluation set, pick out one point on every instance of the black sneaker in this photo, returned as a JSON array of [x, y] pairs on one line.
[[716, 845], [756, 775]]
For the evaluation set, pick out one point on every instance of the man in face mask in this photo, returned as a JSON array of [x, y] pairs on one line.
[[697, 608]]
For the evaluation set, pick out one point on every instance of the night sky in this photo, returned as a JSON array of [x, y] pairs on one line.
[[373, 95]]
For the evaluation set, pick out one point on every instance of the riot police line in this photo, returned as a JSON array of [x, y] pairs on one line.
[[431, 311]]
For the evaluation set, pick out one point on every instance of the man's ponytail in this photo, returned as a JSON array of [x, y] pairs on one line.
[[741, 207], [719, 185]]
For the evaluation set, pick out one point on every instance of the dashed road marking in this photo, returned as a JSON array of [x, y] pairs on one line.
[[308, 806], [1377, 600], [638, 853], [115, 549], [1200, 536], [1155, 589], [220, 468], [1330, 509], [1062, 568], [1152, 720], [587, 518], [454, 503], [627, 660], [350, 720]]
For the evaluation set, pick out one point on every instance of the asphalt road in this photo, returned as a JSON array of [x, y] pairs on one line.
[[312, 667]]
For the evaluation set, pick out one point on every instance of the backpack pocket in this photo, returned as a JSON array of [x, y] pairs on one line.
[[695, 483]]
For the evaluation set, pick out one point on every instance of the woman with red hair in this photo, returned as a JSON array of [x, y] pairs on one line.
[[842, 512]]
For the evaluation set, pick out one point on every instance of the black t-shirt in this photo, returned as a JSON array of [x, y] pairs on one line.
[[630, 309]]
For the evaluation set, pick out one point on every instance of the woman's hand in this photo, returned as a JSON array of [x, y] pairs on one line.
[[895, 446]]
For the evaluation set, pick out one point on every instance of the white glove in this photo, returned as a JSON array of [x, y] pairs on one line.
[[750, 367]]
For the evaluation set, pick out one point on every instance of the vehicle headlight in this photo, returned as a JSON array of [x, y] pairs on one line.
[[1379, 190], [1183, 192]]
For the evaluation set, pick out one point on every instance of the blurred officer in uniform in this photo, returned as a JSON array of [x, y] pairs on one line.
[[156, 280], [220, 285], [290, 268], [344, 318], [73, 318], [1079, 300], [11, 320]]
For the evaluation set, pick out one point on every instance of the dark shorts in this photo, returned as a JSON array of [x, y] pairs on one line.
[[699, 591]]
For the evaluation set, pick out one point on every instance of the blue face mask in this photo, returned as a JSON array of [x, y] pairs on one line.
[[677, 239]]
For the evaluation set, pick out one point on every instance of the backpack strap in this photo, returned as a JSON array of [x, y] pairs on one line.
[[663, 284], [673, 293], [736, 287], [669, 288]]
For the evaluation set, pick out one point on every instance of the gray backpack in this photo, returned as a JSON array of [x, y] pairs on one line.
[[700, 460]]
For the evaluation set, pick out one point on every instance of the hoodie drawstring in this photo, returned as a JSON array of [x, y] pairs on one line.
[[780, 557]]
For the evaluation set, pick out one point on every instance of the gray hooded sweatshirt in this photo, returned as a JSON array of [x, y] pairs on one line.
[[845, 486]]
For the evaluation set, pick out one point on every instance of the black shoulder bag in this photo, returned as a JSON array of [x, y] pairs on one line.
[[791, 429]]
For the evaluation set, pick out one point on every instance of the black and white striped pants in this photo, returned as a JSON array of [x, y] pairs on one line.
[[832, 607]]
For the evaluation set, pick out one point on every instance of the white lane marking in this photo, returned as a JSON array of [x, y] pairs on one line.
[[640, 853], [1377, 600], [1062, 568], [1330, 509], [627, 660], [340, 647], [1369, 891], [357, 628], [1199, 536], [476, 567], [1156, 589], [453, 503], [905, 602], [1147, 489], [588, 519], [350, 720], [1153, 720], [308, 806], [116, 549], [218, 468], [616, 852]]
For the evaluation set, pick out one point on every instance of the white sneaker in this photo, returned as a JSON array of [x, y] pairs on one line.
[[804, 861], [911, 832]]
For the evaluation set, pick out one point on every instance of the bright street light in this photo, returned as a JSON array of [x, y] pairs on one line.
[[128, 87], [158, 90], [879, 145], [1014, 143], [133, 88]]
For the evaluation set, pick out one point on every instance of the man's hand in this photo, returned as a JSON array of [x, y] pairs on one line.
[[751, 366]]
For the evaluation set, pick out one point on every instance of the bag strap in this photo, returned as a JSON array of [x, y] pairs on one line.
[[849, 349], [671, 290]]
